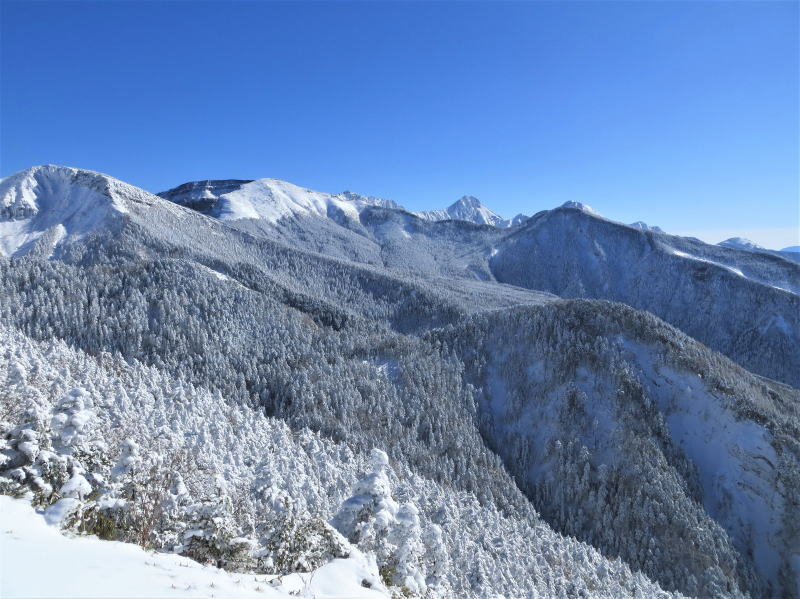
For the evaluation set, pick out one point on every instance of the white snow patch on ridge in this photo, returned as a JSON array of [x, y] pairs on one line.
[[221, 276], [732, 269]]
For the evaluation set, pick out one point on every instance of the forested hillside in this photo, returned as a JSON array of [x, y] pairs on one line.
[[318, 377]]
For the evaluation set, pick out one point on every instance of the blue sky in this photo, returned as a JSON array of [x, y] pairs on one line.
[[681, 114]]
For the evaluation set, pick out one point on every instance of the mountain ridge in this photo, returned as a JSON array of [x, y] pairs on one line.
[[519, 376]]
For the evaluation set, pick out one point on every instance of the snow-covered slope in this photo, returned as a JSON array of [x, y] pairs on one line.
[[203, 195], [577, 396], [268, 199], [46, 206], [86, 567], [792, 249], [570, 251], [273, 199], [237, 454], [278, 349], [742, 303]]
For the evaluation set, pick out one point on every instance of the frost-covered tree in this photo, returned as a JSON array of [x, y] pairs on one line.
[[437, 558], [407, 558], [366, 518], [211, 536]]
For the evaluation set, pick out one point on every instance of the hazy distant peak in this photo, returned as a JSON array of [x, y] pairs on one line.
[[517, 220], [740, 243], [643, 226], [573, 205]]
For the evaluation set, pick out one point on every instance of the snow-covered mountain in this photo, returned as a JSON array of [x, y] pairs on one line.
[[44, 206], [673, 406], [470, 209], [467, 208], [267, 199], [580, 207], [573, 251], [516, 221], [792, 249], [369, 200], [741, 303], [287, 376], [273, 199], [740, 243], [576, 252], [645, 227]]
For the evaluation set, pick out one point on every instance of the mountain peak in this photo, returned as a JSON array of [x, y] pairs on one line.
[[269, 199], [740, 243], [643, 226], [44, 205], [466, 202], [573, 205], [469, 208], [517, 220]]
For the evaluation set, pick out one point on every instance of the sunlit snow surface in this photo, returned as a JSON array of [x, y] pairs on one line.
[[36, 560], [45, 202], [272, 200]]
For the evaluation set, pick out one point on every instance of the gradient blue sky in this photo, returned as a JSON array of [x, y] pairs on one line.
[[681, 114]]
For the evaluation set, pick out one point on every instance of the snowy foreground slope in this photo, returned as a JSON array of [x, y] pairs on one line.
[[87, 567], [274, 393]]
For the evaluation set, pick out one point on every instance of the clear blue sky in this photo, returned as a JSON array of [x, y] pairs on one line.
[[681, 114]]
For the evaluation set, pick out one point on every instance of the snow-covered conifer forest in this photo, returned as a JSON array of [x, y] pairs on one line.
[[276, 392]]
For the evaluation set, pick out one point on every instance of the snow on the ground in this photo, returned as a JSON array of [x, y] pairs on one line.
[[60, 200], [734, 459], [219, 275], [272, 199], [37, 560], [732, 269]]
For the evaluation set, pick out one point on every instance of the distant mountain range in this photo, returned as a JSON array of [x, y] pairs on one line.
[[223, 199], [274, 379]]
